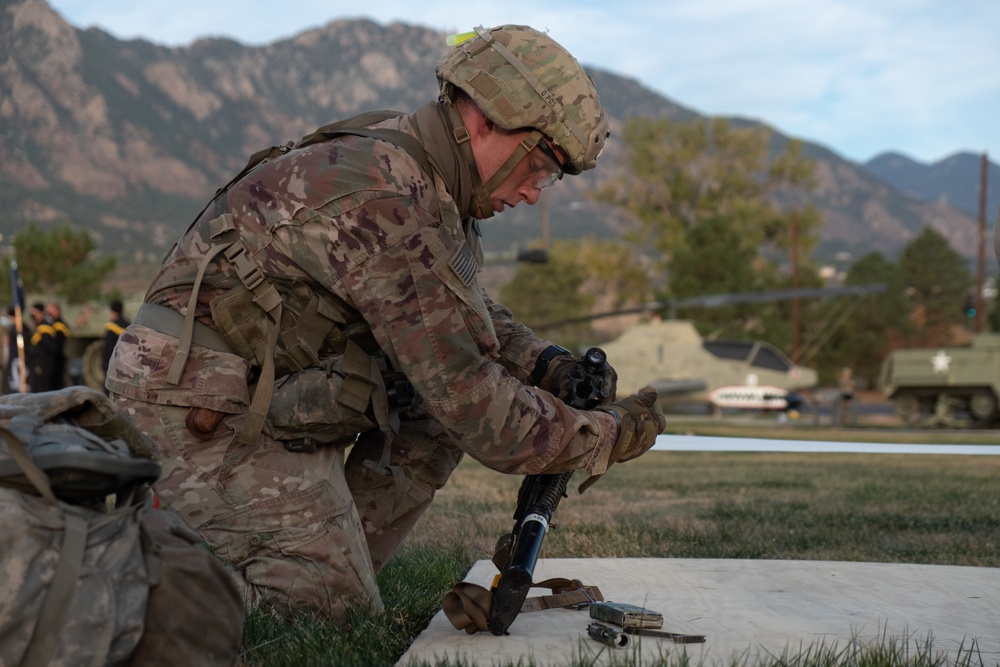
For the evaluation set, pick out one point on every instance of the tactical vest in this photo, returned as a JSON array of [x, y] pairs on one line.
[[327, 356]]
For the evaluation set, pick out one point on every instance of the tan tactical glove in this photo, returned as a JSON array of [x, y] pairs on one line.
[[555, 374], [564, 372], [638, 427]]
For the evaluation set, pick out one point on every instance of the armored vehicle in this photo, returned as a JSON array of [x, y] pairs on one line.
[[85, 343], [950, 387]]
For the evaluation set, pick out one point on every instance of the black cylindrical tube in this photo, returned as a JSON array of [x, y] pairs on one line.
[[515, 581], [607, 635]]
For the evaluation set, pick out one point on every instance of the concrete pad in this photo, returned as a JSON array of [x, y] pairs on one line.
[[745, 608]]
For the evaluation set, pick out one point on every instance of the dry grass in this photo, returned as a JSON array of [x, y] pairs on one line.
[[921, 509]]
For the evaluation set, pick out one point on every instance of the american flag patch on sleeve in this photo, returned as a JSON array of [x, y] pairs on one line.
[[464, 265]]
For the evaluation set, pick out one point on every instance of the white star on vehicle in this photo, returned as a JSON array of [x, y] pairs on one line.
[[940, 362]]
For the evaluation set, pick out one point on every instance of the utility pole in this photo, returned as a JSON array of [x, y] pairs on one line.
[[981, 274], [794, 251]]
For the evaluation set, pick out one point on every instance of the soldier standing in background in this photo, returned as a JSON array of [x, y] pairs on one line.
[[330, 290], [42, 353], [53, 315]]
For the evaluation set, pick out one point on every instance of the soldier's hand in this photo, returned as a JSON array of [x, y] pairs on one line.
[[639, 425], [557, 373], [563, 369]]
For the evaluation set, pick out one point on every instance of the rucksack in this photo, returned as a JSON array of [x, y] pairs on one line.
[[93, 572]]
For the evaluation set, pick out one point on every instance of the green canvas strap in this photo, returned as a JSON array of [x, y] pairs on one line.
[[169, 321], [187, 333], [267, 297], [57, 599], [35, 475], [355, 126]]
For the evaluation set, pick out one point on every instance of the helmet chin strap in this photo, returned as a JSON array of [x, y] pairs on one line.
[[482, 207], [528, 143]]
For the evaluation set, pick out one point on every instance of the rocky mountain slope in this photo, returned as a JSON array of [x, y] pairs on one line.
[[129, 139], [954, 180]]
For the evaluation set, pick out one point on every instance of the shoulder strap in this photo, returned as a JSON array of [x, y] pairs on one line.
[[22, 458], [356, 126], [51, 620], [349, 126]]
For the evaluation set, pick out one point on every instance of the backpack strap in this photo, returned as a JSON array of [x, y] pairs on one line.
[[21, 455], [44, 637], [356, 126]]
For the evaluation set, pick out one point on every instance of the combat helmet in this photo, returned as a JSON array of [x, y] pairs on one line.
[[521, 78]]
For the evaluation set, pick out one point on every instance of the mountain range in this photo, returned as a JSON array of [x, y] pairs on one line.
[[129, 139]]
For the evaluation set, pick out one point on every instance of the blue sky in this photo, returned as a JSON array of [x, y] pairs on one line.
[[920, 77]]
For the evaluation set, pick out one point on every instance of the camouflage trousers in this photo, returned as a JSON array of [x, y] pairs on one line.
[[303, 531]]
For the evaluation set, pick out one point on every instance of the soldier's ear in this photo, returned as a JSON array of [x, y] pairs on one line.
[[481, 126]]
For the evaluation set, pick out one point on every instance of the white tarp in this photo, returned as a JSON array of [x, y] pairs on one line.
[[756, 607]]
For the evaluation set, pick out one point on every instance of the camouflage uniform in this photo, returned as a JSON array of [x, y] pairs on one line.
[[357, 222]]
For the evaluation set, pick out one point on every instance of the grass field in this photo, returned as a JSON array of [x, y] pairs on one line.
[[811, 506]]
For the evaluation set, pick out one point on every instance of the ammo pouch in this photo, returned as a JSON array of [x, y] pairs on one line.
[[330, 404], [319, 406]]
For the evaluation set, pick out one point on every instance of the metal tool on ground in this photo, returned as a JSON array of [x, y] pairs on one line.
[[607, 635], [636, 620]]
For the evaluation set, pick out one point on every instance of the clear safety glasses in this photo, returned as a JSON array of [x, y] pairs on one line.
[[547, 168]]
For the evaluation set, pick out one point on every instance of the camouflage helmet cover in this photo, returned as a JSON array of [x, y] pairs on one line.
[[520, 77]]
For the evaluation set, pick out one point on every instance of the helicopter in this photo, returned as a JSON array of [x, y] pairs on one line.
[[673, 358]]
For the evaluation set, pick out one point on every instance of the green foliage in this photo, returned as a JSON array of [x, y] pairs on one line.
[[678, 176], [872, 323], [613, 271], [705, 196], [923, 300], [937, 281], [717, 259], [699, 262], [993, 316], [550, 292], [58, 262]]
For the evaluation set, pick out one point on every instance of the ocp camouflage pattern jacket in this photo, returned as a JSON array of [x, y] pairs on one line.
[[355, 221]]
